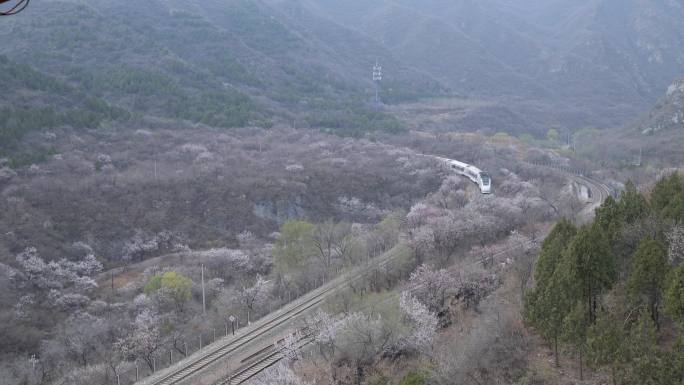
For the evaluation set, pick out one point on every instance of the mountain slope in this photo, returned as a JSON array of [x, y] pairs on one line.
[[558, 63], [598, 61], [222, 63], [33, 101], [668, 113]]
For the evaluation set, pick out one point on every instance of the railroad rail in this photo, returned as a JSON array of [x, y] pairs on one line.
[[220, 349], [583, 176], [270, 355], [265, 358]]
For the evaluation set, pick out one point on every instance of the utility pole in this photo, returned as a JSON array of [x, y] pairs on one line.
[[204, 303], [33, 360], [377, 77]]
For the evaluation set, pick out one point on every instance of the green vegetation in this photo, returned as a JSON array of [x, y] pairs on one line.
[[552, 135], [259, 28], [183, 65], [17, 122], [293, 246], [394, 91], [608, 311], [548, 304], [668, 198], [674, 295], [64, 105], [354, 121], [175, 285], [646, 280], [414, 378]]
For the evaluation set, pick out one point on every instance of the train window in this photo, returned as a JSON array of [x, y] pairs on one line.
[[486, 179]]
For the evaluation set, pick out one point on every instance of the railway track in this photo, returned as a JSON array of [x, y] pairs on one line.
[[271, 355], [598, 191], [193, 364], [582, 176], [264, 359]]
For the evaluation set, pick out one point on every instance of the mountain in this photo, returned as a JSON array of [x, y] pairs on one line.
[[653, 140], [668, 114], [589, 62], [554, 63], [220, 63], [33, 100]]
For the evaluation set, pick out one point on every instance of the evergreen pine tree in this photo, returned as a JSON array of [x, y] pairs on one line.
[[604, 344], [590, 267], [646, 280], [548, 303], [674, 294]]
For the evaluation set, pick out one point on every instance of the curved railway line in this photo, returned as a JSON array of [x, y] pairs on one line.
[[220, 349], [270, 355]]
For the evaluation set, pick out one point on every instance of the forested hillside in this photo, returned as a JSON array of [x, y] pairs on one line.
[[567, 63], [610, 293], [538, 65], [32, 101], [220, 64]]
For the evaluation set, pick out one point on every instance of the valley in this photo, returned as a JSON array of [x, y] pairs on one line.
[[173, 170]]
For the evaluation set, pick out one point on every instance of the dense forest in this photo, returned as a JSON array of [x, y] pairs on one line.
[[43, 102], [611, 292], [189, 67]]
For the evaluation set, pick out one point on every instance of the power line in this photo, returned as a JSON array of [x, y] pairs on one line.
[[16, 8]]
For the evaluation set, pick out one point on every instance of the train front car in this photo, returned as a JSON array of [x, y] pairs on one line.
[[485, 183]]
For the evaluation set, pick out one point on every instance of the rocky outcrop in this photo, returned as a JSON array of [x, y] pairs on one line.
[[668, 114]]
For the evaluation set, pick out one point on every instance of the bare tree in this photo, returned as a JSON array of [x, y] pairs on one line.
[[332, 242]]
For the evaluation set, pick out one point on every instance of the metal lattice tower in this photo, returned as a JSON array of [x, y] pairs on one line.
[[377, 77]]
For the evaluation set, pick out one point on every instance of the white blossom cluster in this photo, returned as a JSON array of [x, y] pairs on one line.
[[254, 296], [423, 323], [280, 374], [141, 244], [675, 241], [144, 340], [432, 287], [62, 283]]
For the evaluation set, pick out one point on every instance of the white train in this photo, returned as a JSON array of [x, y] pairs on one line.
[[479, 177]]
